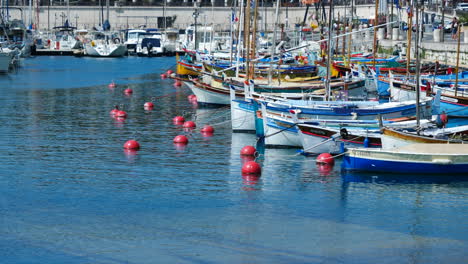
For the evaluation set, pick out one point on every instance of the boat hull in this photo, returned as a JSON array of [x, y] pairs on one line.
[[243, 116], [394, 161]]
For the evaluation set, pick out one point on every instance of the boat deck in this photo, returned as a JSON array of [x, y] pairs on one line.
[[431, 148]]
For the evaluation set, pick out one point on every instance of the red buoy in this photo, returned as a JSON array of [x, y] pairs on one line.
[[178, 120], [132, 144], [177, 83], [148, 106], [181, 139], [207, 129], [121, 113], [248, 151], [112, 84], [325, 158], [251, 167], [128, 91], [114, 111], [189, 124], [169, 72], [192, 98]]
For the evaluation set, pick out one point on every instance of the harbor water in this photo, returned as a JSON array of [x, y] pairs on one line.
[[69, 193]]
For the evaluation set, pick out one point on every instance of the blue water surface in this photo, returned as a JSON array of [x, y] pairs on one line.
[[69, 193]]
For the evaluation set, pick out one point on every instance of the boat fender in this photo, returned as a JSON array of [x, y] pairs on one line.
[[344, 133], [116, 41], [366, 142]]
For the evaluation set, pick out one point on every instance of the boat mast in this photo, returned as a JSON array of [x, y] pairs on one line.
[[253, 47], [238, 46], [416, 53], [247, 37], [327, 81], [376, 23], [458, 59], [350, 29], [273, 46], [408, 49], [68, 12]]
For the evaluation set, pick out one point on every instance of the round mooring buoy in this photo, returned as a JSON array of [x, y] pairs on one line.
[[192, 98], [163, 76], [251, 167], [180, 139], [132, 144], [114, 111], [177, 83], [189, 124], [325, 158], [248, 151], [148, 106], [169, 72], [121, 113], [128, 91], [112, 84], [207, 129], [178, 120]]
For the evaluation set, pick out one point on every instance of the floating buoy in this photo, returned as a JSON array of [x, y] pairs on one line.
[[325, 158], [112, 84], [132, 144], [128, 91], [169, 72], [177, 83], [192, 98], [178, 120], [248, 151], [189, 124], [251, 167], [181, 139], [114, 111], [121, 113], [207, 129], [163, 76], [148, 106]]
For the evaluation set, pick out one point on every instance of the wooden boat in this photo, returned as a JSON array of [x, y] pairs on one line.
[[317, 138], [392, 138], [414, 158], [279, 123]]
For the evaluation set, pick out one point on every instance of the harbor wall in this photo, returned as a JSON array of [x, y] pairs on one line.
[[123, 17]]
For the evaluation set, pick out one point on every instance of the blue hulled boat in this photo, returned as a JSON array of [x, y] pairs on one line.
[[415, 158]]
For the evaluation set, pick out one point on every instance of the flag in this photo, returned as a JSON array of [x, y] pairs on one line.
[[397, 4], [234, 17]]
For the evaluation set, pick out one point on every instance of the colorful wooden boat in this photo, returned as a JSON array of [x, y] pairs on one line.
[[414, 158]]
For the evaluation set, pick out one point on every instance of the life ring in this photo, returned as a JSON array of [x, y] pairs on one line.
[[116, 41], [344, 133]]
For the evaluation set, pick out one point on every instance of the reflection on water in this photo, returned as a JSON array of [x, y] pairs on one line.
[[69, 193], [365, 177]]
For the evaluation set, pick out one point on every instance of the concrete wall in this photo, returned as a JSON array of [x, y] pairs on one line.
[[132, 17]]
